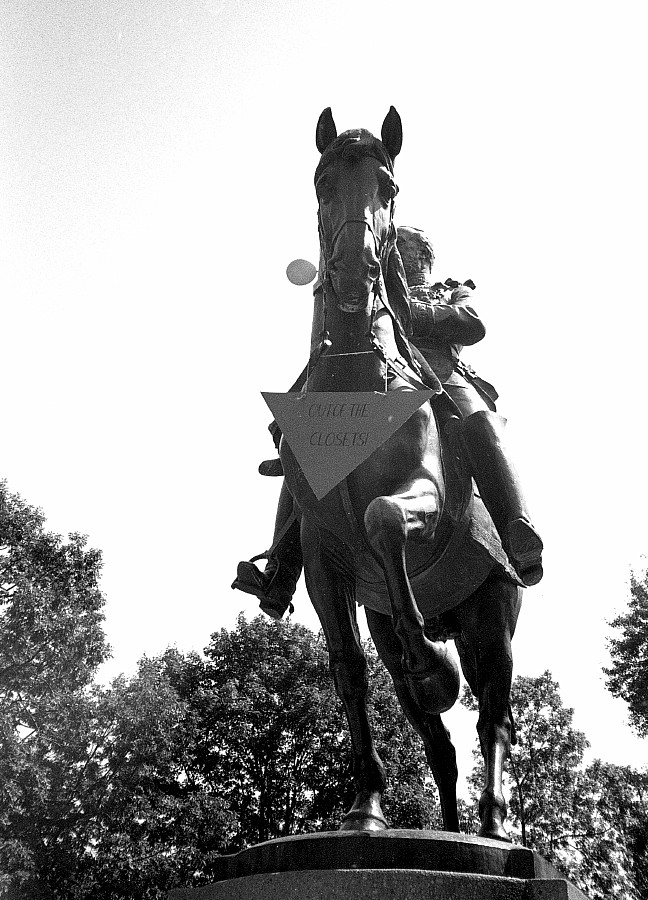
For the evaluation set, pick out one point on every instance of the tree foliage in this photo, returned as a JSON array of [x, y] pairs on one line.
[[130, 790], [542, 765], [51, 642], [610, 832], [273, 739], [91, 787], [204, 755], [627, 677], [150, 824], [590, 821], [51, 622]]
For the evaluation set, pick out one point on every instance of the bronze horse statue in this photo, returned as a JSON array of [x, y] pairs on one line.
[[403, 516]]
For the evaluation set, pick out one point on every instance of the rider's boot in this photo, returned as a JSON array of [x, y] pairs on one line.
[[272, 467], [500, 489], [276, 585]]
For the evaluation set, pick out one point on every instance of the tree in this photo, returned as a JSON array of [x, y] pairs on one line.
[[206, 755], [148, 823], [543, 763], [541, 767], [273, 738], [610, 832], [627, 677], [52, 608], [51, 642], [590, 821], [93, 796], [145, 783]]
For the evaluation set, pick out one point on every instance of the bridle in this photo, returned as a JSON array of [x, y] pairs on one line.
[[382, 253]]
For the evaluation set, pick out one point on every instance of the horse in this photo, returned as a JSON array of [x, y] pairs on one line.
[[391, 513]]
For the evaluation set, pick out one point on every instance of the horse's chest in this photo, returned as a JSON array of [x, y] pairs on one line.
[[328, 513]]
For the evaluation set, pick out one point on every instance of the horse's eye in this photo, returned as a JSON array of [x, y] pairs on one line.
[[387, 185], [323, 188], [391, 190]]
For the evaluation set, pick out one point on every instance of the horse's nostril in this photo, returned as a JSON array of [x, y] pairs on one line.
[[351, 305]]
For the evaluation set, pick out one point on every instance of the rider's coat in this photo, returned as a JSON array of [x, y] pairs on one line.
[[443, 323]]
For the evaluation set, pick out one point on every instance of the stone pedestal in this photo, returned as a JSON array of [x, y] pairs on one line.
[[408, 865]]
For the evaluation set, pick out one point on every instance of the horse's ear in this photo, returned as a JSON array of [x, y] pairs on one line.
[[392, 133], [326, 131]]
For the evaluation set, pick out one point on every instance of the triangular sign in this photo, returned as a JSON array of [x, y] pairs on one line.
[[332, 432]]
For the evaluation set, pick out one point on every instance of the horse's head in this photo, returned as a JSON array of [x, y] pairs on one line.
[[355, 189]]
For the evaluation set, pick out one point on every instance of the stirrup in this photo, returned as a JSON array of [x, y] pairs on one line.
[[524, 548], [273, 589]]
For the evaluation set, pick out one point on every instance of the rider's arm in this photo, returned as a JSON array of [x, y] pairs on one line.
[[455, 322]]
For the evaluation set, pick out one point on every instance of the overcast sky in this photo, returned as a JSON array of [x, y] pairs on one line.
[[156, 179]]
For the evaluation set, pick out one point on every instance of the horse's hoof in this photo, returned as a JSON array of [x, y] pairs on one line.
[[436, 692], [365, 815], [492, 814], [358, 822], [495, 832]]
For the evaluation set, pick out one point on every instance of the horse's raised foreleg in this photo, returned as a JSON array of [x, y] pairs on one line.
[[439, 750], [390, 521], [331, 588], [487, 622]]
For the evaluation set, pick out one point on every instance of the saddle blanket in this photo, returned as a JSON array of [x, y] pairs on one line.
[[450, 577]]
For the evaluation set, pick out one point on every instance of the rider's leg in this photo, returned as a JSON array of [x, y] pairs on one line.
[[276, 585], [500, 489], [497, 480]]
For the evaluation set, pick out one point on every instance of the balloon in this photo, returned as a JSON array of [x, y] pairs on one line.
[[300, 271]]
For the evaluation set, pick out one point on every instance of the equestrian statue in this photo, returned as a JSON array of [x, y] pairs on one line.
[[431, 532]]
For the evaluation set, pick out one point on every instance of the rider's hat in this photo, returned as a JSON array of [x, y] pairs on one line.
[[416, 252]]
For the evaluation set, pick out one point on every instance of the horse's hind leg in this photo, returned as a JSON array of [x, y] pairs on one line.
[[332, 592], [487, 623], [390, 521], [439, 750]]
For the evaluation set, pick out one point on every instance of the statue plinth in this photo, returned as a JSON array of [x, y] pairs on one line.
[[411, 865]]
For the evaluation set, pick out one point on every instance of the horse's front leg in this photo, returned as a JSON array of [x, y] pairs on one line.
[[412, 512], [332, 592], [487, 624], [439, 750]]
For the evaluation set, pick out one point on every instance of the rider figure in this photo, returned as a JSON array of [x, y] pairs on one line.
[[442, 323]]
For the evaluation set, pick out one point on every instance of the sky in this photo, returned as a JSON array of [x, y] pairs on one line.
[[156, 164]]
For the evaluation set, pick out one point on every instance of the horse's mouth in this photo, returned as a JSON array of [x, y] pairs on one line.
[[354, 289], [353, 304], [354, 297]]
